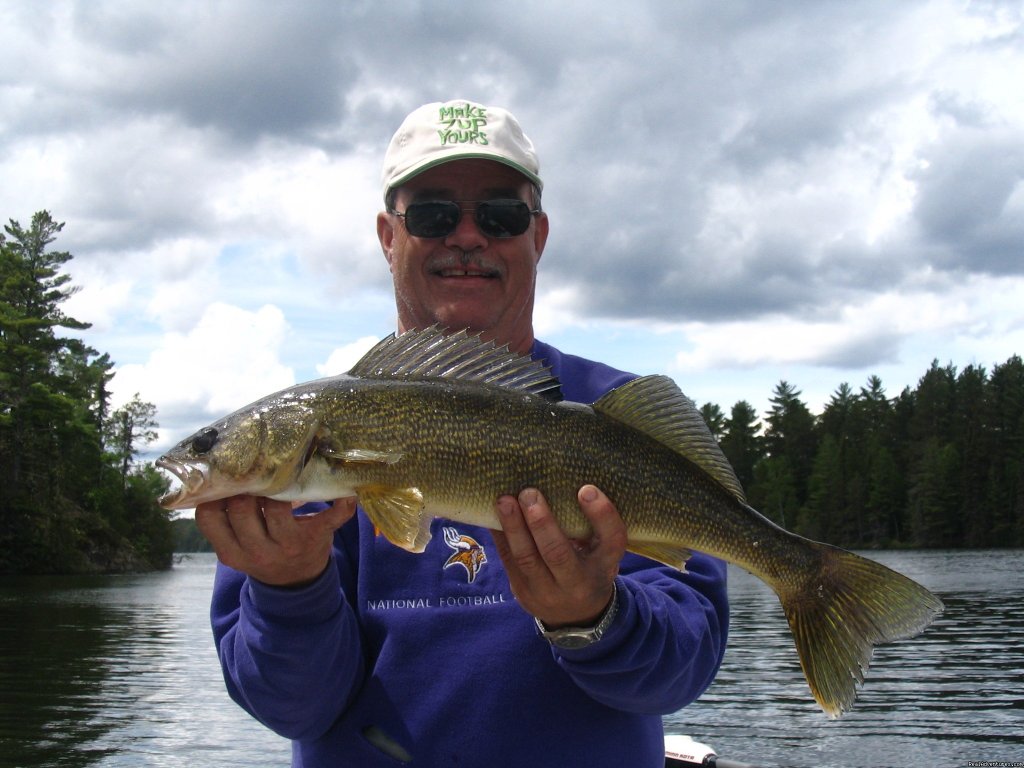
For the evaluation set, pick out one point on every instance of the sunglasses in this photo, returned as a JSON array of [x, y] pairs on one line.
[[495, 218]]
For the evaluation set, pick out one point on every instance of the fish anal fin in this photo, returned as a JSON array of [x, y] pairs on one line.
[[657, 407], [668, 554], [397, 513]]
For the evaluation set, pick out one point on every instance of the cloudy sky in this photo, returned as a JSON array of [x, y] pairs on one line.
[[740, 192]]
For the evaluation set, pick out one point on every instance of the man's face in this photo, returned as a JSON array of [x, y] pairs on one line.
[[465, 279]]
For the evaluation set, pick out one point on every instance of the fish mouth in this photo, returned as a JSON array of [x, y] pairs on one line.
[[190, 477]]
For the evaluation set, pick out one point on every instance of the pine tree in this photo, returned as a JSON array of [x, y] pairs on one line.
[[130, 428], [740, 442], [63, 505], [714, 418], [791, 444], [935, 491], [31, 292], [1004, 407], [822, 516]]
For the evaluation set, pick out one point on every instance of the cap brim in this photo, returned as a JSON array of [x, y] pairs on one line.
[[426, 165]]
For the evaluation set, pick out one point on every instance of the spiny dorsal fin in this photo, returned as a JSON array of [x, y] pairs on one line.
[[656, 406], [436, 354]]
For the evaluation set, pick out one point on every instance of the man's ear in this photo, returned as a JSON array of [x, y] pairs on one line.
[[386, 234], [540, 234]]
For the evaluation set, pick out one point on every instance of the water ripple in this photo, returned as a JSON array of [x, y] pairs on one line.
[[115, 672], [951, 695]]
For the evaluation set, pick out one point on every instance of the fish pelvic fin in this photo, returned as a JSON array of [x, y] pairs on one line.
[[398, 513], [837, 617], [657, 407]]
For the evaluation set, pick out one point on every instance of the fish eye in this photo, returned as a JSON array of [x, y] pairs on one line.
[[205, 440]]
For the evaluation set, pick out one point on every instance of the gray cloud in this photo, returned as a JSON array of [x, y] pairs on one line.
[[247, 70], [646, 118], [964, 204]]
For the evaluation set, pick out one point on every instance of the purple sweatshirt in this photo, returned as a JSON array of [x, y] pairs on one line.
[[431, 652]]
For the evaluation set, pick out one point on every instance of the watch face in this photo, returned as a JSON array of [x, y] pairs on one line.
[[575, 640], [581, 637]]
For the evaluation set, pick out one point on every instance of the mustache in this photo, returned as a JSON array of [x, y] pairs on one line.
[[464, 260]]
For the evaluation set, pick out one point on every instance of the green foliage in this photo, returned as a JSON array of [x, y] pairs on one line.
[[941, 465], [714, 418], [187, 537], [740, 443], [128, 429], [66, 504]]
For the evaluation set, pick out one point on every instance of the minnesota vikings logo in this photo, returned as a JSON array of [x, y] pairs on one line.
[[468, 553]]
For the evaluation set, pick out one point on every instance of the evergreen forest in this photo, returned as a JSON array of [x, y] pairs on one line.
[[73, 497], [940, 465]]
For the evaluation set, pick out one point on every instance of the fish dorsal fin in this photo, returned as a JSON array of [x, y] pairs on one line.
[[434, 353], [656, 406]]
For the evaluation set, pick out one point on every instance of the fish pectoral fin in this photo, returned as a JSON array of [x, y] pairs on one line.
[[668, 554], [360, 455], [325, 444], [398, 514]]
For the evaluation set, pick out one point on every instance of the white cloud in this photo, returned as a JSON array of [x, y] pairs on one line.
[[555, 308], [229, 359], [850, 341], [980, 321], [102, 300], [343, 358]]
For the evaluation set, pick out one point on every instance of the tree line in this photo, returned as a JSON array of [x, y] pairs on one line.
[[938, 466], [72, 496]]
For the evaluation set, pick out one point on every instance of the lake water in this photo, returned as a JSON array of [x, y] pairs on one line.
[[120, 671], [950, 697]]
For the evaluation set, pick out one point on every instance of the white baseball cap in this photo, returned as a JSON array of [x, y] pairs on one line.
[[456, 130]]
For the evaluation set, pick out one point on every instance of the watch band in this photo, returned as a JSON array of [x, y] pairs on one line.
[[581, 637]]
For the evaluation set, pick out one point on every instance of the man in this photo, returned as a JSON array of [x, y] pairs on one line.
[[514, 647]]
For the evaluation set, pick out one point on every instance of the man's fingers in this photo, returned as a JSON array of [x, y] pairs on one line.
[[516, 544], [610, 533], [264, 539], [340, 512], [280, 522], [246, 519], [212, 521], [332, 518], [555, 548]]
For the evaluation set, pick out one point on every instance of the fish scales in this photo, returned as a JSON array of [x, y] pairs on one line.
[[461, 448], [431, 424]]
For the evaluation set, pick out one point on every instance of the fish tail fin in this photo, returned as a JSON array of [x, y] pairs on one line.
[[851, 605]]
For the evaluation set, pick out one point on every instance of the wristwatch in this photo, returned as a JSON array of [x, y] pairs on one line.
[[581, 637]]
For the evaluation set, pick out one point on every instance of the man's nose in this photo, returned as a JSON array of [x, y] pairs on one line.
[[467, 235]]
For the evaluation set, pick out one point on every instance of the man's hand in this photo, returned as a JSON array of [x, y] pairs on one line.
[[562, 581], [262, 538]]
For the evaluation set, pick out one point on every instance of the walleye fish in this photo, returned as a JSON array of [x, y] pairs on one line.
[[431, 424]]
